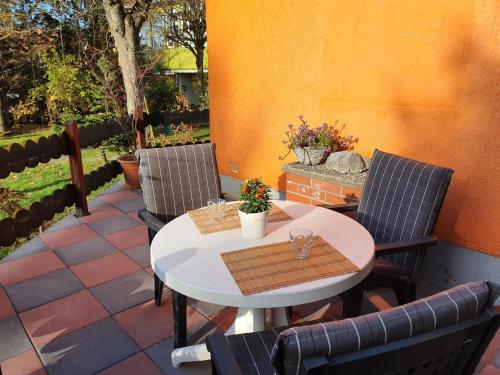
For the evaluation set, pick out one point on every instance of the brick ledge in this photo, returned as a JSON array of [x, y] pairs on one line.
[[320, 172]]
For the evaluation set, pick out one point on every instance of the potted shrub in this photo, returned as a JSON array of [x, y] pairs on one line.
[[124, 144], [313, 145], [254, 210]]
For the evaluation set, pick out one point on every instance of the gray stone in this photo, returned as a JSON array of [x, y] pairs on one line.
[[13, 338], [346, 162], [43, 289], [88, 350]]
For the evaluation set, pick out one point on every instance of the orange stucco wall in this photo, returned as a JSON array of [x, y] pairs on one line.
[[420, 78]]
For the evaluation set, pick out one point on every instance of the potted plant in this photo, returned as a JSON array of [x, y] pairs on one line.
[[124, 144], [254, 210], [313, 145]]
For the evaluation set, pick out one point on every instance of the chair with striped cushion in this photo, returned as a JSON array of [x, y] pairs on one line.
[[399, 206], [175, 180], [446, 333]]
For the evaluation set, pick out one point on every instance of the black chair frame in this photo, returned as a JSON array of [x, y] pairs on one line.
[[453, 350], [403, 285]]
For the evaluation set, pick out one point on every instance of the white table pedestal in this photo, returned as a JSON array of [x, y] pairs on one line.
[[247, 320]]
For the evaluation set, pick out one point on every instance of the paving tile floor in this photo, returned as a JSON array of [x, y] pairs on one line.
[[78, 299]]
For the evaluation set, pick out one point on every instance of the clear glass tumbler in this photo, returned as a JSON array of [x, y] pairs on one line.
[[216, 209], [300, 242]]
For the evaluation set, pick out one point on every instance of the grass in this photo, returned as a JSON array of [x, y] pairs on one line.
[[35, 183]]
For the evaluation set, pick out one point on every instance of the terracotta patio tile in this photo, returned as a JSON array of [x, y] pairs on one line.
[[137, 364], [133, 215], [58, 318], [29, 267], [6, 308], [225, 318], [100, 213], [119, 196], [148, 324], [103, 269], [129, 237], [26, 363], [65, 237]]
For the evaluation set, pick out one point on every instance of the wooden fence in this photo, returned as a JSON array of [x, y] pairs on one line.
[[17, 158]]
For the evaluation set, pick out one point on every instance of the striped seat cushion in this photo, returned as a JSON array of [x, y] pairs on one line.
[[178, 179], [252, 351], [401, 201], [349, 335]]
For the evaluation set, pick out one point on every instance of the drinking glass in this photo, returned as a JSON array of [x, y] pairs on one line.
[[300, 242], [216, 209]]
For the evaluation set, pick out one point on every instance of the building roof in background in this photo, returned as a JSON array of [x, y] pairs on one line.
[[180, 59]]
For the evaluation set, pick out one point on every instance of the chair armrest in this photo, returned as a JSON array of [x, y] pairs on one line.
[[151, 220], [314, 365], [402, 246], [345, 207], [222, 356]]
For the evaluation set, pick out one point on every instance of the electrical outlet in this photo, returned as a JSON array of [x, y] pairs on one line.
[[233, 167]]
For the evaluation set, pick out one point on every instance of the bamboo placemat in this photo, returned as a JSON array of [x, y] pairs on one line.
[[206, 224], [268, 267]]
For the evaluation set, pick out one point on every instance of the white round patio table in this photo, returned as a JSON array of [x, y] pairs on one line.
[[190, 263]]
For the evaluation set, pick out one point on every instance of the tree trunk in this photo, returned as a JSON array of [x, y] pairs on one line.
[[125, 29], [199, 68], [4, 118]]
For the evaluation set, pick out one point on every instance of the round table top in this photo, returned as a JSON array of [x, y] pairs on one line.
[[189, 262]]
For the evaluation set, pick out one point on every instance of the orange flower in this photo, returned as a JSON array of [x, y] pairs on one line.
[[261, 190], [244, 189], [259, 195]]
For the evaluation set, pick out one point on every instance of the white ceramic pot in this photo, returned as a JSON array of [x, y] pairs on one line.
[[253, 225]]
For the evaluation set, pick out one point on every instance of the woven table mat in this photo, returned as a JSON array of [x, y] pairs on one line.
[[274, 266], [206, 224]]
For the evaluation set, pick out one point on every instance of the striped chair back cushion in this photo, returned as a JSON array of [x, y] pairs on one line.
[[177, 179], [349, 335], [401, 200]]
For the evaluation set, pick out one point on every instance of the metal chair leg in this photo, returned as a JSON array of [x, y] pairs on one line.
[[180, 327], [158, 290]]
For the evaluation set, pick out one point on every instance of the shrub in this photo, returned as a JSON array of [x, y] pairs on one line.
[[161, 94]]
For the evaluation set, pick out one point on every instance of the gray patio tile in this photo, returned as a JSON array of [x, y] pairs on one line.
[[67, 222], [113, 224], [125, 292], [43, 289], [13, 340], [34, 246], [129, 206], [84, 251], [119, 186], [96, 202], [140, 254], [88, 350]]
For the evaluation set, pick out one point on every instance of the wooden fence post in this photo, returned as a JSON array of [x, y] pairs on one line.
[[76, 167]]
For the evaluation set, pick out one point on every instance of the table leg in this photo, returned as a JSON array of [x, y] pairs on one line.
[[279, 317], [180, 328], [247, 320]]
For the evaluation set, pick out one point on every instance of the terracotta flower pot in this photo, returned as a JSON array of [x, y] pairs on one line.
[[130, 170]]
